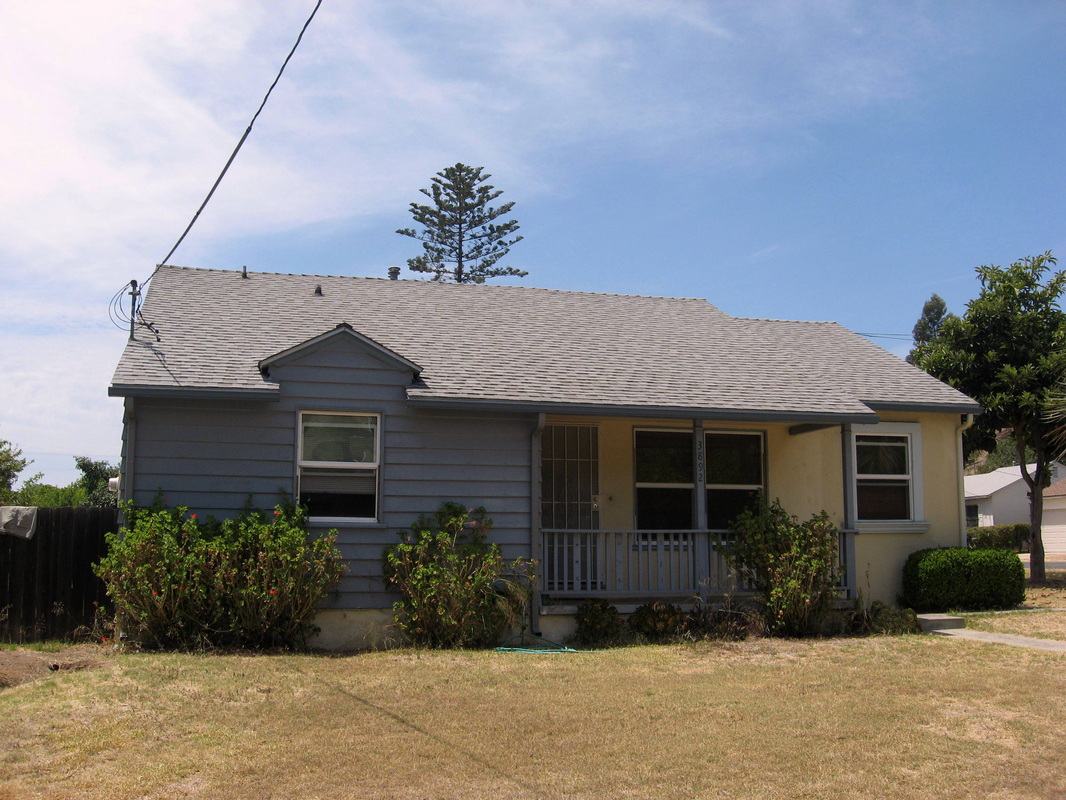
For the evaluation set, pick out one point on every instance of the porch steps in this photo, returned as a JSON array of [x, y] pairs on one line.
[[931, 623]]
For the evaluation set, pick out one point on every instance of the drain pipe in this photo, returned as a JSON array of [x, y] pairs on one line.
[[964, 426], [536, 544]]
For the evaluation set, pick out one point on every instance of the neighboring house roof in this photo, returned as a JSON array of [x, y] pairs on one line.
[[520, 347], [979, 487], [1057, 489]]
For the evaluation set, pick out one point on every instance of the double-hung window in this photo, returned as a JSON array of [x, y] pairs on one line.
[[734, 475], [888, 485], [339, 463], [665, 481]]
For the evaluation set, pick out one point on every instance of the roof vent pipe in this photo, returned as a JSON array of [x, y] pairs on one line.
[[394, 273], [318, 290], [244, 271]]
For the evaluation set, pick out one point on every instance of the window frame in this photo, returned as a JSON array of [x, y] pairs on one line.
[[638, 485], [912, 433], [708, 486], [375, 465]]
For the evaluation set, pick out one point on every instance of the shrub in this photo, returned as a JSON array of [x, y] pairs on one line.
[[657, 621], [250, 582], [1000, 537], [456, 589], [880, 618], [955, 577], [727, 621], [598, 624], [792, 563]]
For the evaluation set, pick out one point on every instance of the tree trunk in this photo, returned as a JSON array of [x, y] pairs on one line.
[[1036, 483]]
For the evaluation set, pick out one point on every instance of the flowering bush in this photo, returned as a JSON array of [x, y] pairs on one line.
[[254, 581], [457, 591]]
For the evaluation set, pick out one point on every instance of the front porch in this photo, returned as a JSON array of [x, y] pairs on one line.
[[643, 565], [631, 509]]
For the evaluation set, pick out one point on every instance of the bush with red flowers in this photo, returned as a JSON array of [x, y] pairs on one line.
[[253, 581]]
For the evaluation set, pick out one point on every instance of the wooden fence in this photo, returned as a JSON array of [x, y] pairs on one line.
[[47, 586]]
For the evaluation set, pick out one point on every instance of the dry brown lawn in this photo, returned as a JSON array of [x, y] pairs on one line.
[[1040, 624], [1042, 615], [885, 717]]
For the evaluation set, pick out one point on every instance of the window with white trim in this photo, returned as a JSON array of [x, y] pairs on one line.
[[888, 485], [339, 462]]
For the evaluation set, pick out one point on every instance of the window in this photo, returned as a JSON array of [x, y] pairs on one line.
[[888, 486], [734, 475], [664, 480], [883, 477], [338, 464], [973, 515]]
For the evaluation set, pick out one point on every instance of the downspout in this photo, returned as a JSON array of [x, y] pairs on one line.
[[964, 426], [536, 544], [848, 462], [129, 438]]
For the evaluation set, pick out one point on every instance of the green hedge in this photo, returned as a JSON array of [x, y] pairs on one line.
[[1000, 537], [957, 578]]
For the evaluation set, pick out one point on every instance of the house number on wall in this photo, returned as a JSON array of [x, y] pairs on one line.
[[699, 459]]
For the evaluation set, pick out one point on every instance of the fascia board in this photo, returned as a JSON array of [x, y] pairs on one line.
[[920, 408], [731, 415], [194, 392]]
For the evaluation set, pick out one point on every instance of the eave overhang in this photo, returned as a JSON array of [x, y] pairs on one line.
[[267, 394], [921, 408], [663, 412]]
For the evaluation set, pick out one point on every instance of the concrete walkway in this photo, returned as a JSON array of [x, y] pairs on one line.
[[1003, 638]]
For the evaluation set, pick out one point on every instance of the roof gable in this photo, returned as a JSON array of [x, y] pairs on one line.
[[342, 331]]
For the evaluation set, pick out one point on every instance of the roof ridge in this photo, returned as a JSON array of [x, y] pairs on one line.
[[439, 283], [799, 321]]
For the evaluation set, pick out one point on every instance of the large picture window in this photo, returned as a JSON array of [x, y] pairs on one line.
[[734, 475], [664, 483], [339, 463]]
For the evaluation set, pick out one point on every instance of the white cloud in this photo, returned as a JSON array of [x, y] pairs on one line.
[[118, 117]]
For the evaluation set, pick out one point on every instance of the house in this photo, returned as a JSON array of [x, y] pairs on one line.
[[1001, 497], [608, 436], [1053, 527]]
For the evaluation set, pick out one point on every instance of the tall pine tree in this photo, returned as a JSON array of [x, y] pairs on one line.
[[461, 240]]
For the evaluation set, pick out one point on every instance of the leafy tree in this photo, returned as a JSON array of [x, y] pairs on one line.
[[1004, 454], [1007, 353], [460, 238], [11, 464], [94, 481], [934, 312], [45, 495]]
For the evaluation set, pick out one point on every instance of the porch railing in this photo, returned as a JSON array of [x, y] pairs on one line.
[[581, 563]]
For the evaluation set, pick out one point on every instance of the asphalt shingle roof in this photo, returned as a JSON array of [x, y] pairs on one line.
[[509, 344]]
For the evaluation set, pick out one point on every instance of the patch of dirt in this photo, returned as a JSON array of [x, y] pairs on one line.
[[24, 666]]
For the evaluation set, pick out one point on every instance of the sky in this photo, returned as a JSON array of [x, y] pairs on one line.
[[794, 160]]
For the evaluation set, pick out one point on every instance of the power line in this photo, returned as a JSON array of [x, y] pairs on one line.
[[236, 150], [901, 337], [115, 311]]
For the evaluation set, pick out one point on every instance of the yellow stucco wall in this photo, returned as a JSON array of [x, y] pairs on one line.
[[879, 557], [805, 473]]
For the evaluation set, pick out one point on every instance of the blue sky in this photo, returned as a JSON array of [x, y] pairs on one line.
[[798, 160]]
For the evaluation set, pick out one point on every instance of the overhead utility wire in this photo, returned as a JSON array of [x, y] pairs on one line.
[[233, 155]]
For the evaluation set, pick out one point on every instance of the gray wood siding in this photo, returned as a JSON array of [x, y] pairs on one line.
[[211, 455]]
